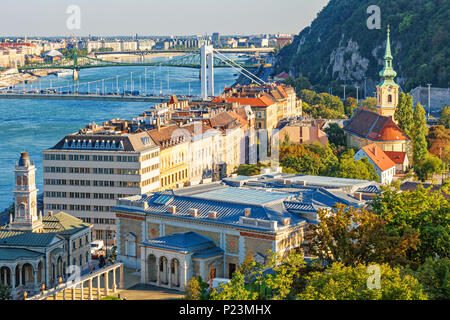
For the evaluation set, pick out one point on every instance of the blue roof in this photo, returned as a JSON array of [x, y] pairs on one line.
[[208, 253], [183, 242], [243, 196]]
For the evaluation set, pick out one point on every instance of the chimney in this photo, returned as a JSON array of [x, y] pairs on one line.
[[212, 214], [50, 213], [172, 209], [247, 211], [286, 221], [193, 212]]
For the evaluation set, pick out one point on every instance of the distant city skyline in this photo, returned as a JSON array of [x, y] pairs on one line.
[[156, 17]]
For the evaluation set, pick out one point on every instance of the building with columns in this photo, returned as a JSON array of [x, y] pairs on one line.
[[174, 235], [36, 249]]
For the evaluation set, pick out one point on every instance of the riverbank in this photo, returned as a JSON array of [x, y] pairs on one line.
[[131, 55], [12, 77]]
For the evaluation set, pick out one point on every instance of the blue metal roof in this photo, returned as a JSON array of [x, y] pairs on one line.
[[243, 196], [183, 242], [208, 253]]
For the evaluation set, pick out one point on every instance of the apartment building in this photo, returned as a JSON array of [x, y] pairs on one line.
[[85, 172], [270, 103], [174, 165]]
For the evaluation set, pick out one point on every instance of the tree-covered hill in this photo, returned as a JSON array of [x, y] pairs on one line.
[[339, 46]]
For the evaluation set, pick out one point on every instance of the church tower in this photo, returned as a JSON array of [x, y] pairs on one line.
[[387, 89], [25, 196]]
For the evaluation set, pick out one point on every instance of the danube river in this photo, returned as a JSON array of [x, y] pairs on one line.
[[34, 125]]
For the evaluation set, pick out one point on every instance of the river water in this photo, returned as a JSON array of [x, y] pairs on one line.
[[35, 125]]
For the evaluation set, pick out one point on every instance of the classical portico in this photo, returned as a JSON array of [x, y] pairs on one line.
[[171, 261]]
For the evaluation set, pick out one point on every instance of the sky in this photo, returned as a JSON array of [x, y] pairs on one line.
[[156, 17]]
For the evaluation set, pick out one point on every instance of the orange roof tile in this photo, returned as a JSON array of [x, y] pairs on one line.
[[397, 156], [378, 157]]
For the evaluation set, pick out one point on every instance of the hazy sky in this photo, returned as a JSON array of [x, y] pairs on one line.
[[157, 17]]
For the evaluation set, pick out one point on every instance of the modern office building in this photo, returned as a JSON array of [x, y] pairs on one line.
[[85, 172]]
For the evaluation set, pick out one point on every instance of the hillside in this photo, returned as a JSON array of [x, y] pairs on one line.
[[339, 46]]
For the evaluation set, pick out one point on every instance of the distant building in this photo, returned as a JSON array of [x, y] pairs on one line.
[[86, 171], [384, 166], [37, 249], [299, 132], [400, 159], [52, 56], [270, 103], [283, 40], [174, 164]]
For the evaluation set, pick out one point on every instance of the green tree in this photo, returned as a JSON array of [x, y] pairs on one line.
[[248, 170], [423, 210], [196, 289], [348, 167], [341, 282], [355, 236], [336, 135], [428, 167], [350, 104], [285, 274], [433, 275], [419, 132], [4, 292], [369, 103], [404, 113], [445, 116], [234, 290]]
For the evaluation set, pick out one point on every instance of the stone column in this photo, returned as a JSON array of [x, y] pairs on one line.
[[90, 289], [98, 288], [169, 270], [35, 275], [20, 276], [121, 277], [114, 287], [158, 272], [73, 293], [183, 274], [13, 282], [64, 295], [107, 282], [82, 288]]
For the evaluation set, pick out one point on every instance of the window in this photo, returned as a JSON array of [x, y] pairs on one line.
[[390, 98], [231, 269], [130, 245]]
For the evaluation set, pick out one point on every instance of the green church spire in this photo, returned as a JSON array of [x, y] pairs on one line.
[[388, 73]]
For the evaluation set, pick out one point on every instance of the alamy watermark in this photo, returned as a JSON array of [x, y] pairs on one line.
[[73, 22], [374, 20], [374, 280]]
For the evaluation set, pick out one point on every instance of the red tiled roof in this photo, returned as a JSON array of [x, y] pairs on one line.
[[263, 101], [397, 156], [368, 124], [283, 75], [378, 157]]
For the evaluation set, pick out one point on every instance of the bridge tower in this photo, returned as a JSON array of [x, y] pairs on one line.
[[207, 71]]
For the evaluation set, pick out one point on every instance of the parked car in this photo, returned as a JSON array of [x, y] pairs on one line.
[[96, 248]]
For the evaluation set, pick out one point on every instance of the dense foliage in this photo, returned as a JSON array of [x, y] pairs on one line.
[[341, 282], [317, 159], [322, 105], [419, 38], [357, 236], [425, 211]]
